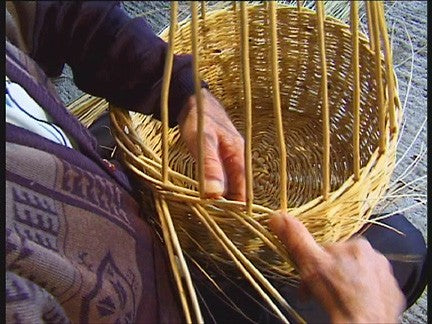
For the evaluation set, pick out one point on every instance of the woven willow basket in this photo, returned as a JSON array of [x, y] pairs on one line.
[[351, 194]]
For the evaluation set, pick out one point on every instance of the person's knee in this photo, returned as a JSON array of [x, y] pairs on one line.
[[406, 252]]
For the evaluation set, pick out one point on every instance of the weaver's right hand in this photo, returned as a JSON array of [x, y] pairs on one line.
[[223, 147], [351, 280]]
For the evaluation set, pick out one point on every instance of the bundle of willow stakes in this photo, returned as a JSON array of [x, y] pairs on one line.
[[317, 103]]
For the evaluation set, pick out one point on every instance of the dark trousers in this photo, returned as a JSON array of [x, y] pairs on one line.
[[407, 255]]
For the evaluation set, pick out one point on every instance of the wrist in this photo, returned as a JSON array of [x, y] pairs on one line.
[[190, 105]]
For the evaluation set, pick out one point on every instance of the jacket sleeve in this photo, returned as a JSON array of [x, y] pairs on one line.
[[111, 55]]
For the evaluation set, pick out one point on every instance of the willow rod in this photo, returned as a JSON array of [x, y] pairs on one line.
[[378, 76], [165, 90], [183, 265], [299, 4], [370, 25], [171, 256], [277, 107], [203, 10], [198, 95], [389, 67], [248, 104], [356, 94], [325, 107], [251, 274], [299, 35]]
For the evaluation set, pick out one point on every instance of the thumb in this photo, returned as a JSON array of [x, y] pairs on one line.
[[301, 246]]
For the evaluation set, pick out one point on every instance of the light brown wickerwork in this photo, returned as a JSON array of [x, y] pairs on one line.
[[320, 113], [248, 105]]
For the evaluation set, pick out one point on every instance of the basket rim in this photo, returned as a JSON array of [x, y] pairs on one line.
[[258, 208]]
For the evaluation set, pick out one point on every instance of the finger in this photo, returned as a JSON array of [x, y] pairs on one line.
[[357, 248], [300, 244], [214, 183], [214, 177], [232, 154], [304, 292]]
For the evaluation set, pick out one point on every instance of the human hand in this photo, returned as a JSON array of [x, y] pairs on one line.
[[224, 147], [351, 280]]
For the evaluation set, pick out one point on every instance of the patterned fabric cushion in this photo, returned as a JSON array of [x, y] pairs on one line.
[[75, 246]]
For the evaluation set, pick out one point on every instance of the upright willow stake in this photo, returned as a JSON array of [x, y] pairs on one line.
[[203, 10], [356, 94], [169, 233], [299, 4], [299, 35], [325, 107], [378, 76], [165, 90], [248, 104], [389, 67], [277, 107], [369, 23], [198, 96]]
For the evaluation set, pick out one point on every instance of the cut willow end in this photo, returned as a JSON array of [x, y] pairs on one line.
[[325, 106], [356, 92], [299, 4], [198, 96], [277, 106], [248, 104], [165, 90]]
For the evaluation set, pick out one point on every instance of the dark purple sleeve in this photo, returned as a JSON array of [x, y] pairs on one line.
[[112, 55]]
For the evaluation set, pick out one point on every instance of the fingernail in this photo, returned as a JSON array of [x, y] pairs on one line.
[[276, 223], [214, 187]]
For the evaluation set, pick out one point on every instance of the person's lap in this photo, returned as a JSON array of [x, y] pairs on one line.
[[406, 253]]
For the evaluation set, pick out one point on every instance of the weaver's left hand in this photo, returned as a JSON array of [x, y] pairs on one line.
[[223, 148], [354, 282]]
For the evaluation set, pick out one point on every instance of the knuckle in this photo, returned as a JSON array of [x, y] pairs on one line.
[[312, 275], [239, 140], [211, 160], [361, 246], [235, 144], [234, 159], [382, 259], [334, 248], [315, 270], [402, 300], [364, 243], [385, 262]]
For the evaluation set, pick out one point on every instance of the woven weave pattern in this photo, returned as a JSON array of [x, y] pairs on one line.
[[350, 205]]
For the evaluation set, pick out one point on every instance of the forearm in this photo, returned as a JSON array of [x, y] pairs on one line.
[[111, 55]]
